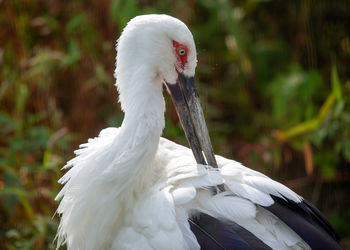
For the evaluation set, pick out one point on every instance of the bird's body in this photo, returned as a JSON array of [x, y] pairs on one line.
[[129, 188]]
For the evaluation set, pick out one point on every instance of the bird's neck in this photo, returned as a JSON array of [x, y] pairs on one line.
[[143, 103], [144, 107], [140, 94]]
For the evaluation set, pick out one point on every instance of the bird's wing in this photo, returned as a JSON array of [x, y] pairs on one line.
[[213, 233], [299, 214], [253, 185], [253, 201], [242, 181]]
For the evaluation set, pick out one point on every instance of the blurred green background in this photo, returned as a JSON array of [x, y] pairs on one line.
[[273, 76]]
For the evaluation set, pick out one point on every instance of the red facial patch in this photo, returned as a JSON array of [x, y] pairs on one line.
[[181, 53]]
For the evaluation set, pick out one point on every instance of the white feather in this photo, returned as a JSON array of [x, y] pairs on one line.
[[183, 194], [240, 202], [182, 216], [130, 189]]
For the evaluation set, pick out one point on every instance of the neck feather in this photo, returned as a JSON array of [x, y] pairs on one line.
[[141, 98]]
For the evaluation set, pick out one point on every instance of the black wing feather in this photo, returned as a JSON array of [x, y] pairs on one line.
[[307, 221], [321, 219], [213, 233]]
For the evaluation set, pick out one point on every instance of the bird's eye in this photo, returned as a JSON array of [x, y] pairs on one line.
[[181, 51]]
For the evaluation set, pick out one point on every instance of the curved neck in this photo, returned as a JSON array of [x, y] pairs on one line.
[[143, 104], [142, 101]]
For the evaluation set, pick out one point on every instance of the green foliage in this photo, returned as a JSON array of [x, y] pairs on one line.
[[273, 78], [295, 89]]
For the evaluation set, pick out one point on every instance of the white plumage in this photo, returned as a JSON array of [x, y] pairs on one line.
[[129, 188]]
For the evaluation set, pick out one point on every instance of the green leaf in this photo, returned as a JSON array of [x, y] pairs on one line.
[[73, 54], [336, 86], [77, 24]]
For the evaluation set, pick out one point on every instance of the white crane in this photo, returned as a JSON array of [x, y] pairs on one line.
[[129, 188]]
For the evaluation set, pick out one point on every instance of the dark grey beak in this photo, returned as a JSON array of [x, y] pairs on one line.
[[185, 97]]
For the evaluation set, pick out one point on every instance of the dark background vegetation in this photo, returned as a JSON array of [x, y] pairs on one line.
[[273, 77]]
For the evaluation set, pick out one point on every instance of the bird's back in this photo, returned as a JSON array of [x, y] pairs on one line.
[[253, 205]]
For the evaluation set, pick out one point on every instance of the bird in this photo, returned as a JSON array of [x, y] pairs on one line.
[[130, 188]]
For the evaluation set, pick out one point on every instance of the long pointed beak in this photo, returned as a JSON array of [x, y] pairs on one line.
[[185, 97]]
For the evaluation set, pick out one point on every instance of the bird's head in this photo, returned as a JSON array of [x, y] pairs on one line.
[[161, 47], [161, 42]]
